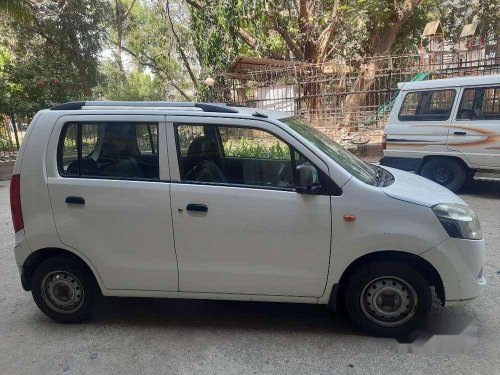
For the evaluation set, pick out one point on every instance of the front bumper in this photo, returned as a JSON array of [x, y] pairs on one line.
[[460, 265]]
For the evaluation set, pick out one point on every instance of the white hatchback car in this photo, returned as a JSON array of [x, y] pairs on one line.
[[192, 200]]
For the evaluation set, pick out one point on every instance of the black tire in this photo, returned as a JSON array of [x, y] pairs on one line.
[[446, 172], [408, 283], [69, 279]]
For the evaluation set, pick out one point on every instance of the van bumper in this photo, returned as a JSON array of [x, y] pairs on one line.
[[406, 164], [460, 264]]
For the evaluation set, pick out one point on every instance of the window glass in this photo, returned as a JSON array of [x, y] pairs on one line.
[[350, 162], [114, 150], [427, 105], [89, 138], [147, 139], [234, 155], [252, 143], [466, 105], [482, 103], [68, 150], [490, 109]]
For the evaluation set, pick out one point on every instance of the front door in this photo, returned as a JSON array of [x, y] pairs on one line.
[[240, 226], [110, 195], [476, 129]]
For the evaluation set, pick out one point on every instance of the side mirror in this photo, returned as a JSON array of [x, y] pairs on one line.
[[307, 178]]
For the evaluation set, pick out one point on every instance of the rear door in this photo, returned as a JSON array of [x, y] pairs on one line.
[[475, 132], [108, 182], [240, 226]]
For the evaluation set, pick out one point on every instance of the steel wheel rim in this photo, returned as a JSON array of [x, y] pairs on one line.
[[388, 301], [62, 292], [442, 175]]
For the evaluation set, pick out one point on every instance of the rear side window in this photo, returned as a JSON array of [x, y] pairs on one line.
[[435, 105], [109, 150], [480, 103]]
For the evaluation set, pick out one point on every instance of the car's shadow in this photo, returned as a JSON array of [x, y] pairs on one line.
[[483, 189], [226, 315]]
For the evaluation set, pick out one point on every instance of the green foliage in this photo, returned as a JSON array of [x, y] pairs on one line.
[[250, 148], [134, 85]]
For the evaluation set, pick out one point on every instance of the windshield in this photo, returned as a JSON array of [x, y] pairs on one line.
[[340, 155]]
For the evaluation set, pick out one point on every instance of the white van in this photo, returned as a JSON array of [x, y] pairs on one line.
[[190, 200], [446, 129]]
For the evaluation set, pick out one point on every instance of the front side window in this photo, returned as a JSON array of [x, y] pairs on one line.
[[432, 105], [481, 103], [237, 156], [109, 150], [332, 149]]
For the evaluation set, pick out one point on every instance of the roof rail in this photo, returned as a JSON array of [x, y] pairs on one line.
[[206, 107]]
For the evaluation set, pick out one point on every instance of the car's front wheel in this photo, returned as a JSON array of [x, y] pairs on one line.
[[387, 298], [64, 289]]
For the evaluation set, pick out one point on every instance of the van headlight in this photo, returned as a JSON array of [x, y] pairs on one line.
[[459, 221]]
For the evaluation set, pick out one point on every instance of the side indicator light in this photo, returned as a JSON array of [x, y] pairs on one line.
[[349, 218]]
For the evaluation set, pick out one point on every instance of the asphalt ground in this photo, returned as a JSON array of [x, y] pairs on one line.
[[151, 336]]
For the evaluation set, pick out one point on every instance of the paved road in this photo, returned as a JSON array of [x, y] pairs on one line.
[[130, 336]]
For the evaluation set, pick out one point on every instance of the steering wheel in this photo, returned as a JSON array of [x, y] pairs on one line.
[[279, 175]]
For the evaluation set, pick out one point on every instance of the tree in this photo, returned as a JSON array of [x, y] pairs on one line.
[[75, 29], [156, 40], [310, 31], [122, 85]]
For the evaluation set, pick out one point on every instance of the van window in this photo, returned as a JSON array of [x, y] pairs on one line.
[[109, 150], [432, 105], [480, 103]]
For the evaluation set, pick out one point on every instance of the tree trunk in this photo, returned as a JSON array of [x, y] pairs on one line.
[[75, 49], [14, 126], [381, 41], [119, 35]]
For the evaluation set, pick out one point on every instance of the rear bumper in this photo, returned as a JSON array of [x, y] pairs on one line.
[[406, 164], [460, 265]]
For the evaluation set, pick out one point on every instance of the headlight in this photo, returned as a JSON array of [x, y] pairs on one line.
[[459, 221]]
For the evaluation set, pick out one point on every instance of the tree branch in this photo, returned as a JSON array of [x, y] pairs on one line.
[[247, 38], [195, 4], [326, 36], [125, 15], [179, 47], [289, 40], [165, 73]]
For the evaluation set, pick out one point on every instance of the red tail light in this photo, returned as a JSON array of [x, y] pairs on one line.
[[15, 203], [384, 141]]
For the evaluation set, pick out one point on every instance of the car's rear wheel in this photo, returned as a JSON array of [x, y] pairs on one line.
[[447, 172], [64, 289], [387, 298]]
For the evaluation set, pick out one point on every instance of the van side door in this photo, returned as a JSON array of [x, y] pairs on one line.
[[475, 131]]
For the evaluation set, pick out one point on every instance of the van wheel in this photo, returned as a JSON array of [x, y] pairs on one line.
[[64, 289], [387, 299], [446, 172]]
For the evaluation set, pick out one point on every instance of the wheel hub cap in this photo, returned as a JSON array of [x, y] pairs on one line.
[[62, 292], [388, 301], [442, 175]]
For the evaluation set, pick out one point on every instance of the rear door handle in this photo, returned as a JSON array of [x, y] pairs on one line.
[[196, 207], [459, 133], [75, 200]]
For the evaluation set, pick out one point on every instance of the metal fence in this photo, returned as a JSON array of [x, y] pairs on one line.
[[349, 100]]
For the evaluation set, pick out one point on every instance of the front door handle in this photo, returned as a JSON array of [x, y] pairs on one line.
[[75, 200], [196, 207], [459, 133]]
